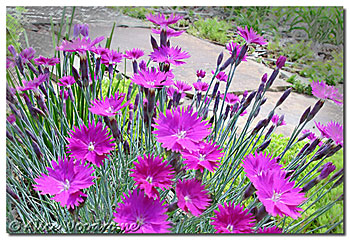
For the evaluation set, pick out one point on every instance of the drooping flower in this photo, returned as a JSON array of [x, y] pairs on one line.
[[90, 143], [46, 61], [82, 29], [278, 194], [134, 54], [169, 32], [231, 98], [180, 129], [27, 54], [151, 78], [207, 156], [111, 57], [141, 214], [80, 45], [270, 230], [231, 46], [192, 196], [201, 86], [334, 130], [65, 180], [169, 55], [109, 106], [161, 20], [151, 172], [275, 118], [34, 84], [231, 218], [66, 81], [324, 91], [221, 76], [250, 36]]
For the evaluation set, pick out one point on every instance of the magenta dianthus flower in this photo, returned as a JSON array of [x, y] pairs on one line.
[[90, 143], [151, 172], [34, 84], [180, 129], [201, 73], [134, 54], [207, 156], [231, 218], [141, 214], [182, 86], [111, 57], [201, 86], [324, 91], [322, 129], [221, 76], [169, 55], [109, 107], [231, 46], [80, 45], [192, 196], [231, 98], [169, 32], [161, 20], [66, 81], [278, 194], [275, 118], [46, 61], [250, 36], [65, 180], [151, 78], [27, 54], [334, 130], [270, 230]]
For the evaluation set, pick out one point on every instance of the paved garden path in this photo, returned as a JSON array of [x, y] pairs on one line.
[[133, 33]]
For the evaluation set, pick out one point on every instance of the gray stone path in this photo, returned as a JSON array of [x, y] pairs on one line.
[[134, 33]]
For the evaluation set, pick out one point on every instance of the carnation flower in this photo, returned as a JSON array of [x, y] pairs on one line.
[[169, 32], [192, 197], [151, 78], [231, 98], [206, 157], [27, 54], [34, 84], [99, 50], [201, 86], [109, 107], [278, 194], [161, 20], [134, 54], [151, 172], [324, 91], [91, 143], [231, 218], [65, 181], [180, 129], [141, 214], [200, 73], [250, 36], [231, 46], [221, 76], [275, 118], [270, 230], [170, 92], [259, 163], [311, 136], [322, 129], [169, 55], [111, 57], [66, 81], [80, 45], [11, 118], [334, 130], [182, 86], [46, 61]]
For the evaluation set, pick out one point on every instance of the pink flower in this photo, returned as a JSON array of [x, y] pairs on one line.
[[134, 54], [250, 36], [334, 130], [170, 93], [231, 98], [99, 50], [270, 230], [232, 218], [322, 129], [91, 143], [169, 55], [169, 32], [182, 86], [324, 91], [46, 61], [151, 78], [111, 57], [27, 54], [109, 107], [66, 81], [151, 172], [161, 20], [259, 163], [80, 45], [11, 118], [231, 46], [278, 194], [312, 136], [180, 129], [65, 181], [207, 156], [34, 84], [221, 76], [192, 196], [275, 118], [200, 73], [64, 94], [201, 86], [141, 214]]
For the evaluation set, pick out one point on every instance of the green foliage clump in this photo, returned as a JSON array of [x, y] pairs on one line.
[[136, 12], [14, 27], [298, 52], [299, 87]]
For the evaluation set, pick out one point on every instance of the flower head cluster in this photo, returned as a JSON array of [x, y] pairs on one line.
[[109, 107], [151, 172], [161, 20], [169, 32], [90, 143], [250, 36], [324, 91], [138, 213], [34, 84], [46, 61], [232, 46], [134, 54], [80, 45], [169, 55], [192, 196], [151, 78], [207, 156], [65, 180], [180, 129], [182, 86], [231, 218]]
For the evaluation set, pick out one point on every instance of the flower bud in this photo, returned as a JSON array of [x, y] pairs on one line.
[[283, 97], [128, 95], [338, 182], [272, 78], [336, 175], [315, 109], [85, 30], [201, 73], [305, 115], [217, 100], [220, 58], [249, 191], [249, 99], [36, 149], [301, 152], [229, 61], [216, 87], [264, 78], [312, 146], [30, 135], [226, 112], [263, 146], [12, 50], [310, 185], [269, 132], [263, 101], [154, 43], [126, 147], [334, 150], [281, 61], [241, 54], [280, 120], [326, 169], [304, 136], [261, 124], [11, 193], [136, 103]]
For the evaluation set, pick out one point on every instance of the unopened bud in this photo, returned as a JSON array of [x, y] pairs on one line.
[[154, 43], [326, 169], [249, 191], [263, 146], [220, 58], [217, 100], [305, 115], [283, 97], [264, 78], [315, 109], [281, 61]]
